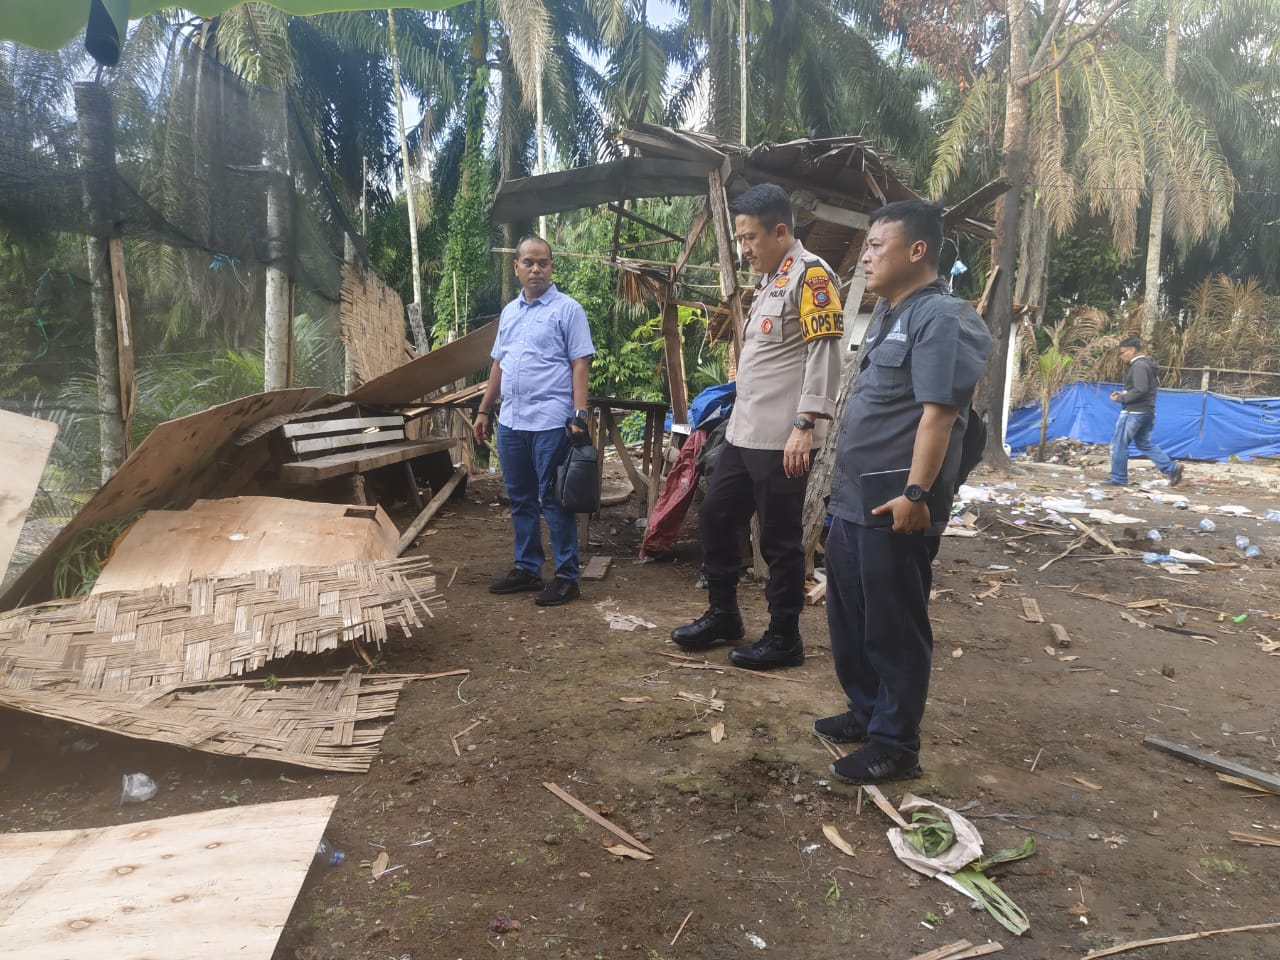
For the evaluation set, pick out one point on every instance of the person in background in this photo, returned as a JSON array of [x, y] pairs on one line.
[[895, 476], [541, 361], [1138, 416], [788, 375]]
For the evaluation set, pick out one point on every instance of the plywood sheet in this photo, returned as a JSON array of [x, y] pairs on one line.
[[205, 885], [25, 443], [170, 468], [432, 371], [219, 538]]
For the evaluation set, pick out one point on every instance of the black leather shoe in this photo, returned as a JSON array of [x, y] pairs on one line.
[[558, 591], [715, 626], [517, 581], [845, 727], [772, 650], [876, 763]]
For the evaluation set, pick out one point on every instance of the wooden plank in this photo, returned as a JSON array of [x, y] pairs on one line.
[[430, 372], [944, 952], [345, 425], [1265, 780], [168, 469], [342, 442], [594, 817], [695, 231], [628, 179], [217, 538], [1180, 938], [729, 289], [636, 218], [1060, 635], [1031, 610], [196, 886], [597, 567], [359, 461], [25, 443]]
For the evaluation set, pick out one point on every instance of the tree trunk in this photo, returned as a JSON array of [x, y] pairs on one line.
[[508, 155], [97, 147], [720, 63], [1159, 193], [415, 313], [991, 397], [278, 313]]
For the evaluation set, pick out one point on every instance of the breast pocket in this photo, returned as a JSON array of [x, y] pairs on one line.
[[546, 341], [888, 374], [768, 326]]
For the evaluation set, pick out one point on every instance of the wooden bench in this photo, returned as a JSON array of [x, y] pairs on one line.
[[321, 450]]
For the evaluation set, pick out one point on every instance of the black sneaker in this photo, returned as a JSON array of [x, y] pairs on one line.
[[876, 763], [715, 626], [770, 651], [558, 591], [517, 581], [1175, 478], [847, 727]]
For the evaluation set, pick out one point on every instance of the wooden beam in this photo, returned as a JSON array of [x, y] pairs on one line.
[[974, 202], [691, 240], [639, 482], [803, 202], [636, 218], [359, 461], [429, 511], [594, 817], [617, 230]]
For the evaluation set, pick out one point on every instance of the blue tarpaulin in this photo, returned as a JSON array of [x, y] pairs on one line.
[[1190, 424]]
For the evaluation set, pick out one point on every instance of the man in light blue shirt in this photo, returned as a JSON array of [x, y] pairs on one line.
[[541, 361]]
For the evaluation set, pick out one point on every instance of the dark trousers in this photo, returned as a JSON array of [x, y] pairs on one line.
[[878, 613], [746, 482]]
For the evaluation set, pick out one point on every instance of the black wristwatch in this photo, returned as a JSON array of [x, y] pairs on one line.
[[915, 493], [804, 423]]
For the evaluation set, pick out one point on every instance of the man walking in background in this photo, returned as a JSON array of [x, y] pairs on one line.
[[788, 376], [895, 477], [1138, 416], [541, 361]]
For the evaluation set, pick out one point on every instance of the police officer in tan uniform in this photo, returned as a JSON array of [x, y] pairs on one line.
[[788, 375]]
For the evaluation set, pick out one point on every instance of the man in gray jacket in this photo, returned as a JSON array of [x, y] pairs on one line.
[[1138, 417]]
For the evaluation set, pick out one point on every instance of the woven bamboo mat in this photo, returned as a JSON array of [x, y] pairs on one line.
[[371, 321], [328, 724], [123, 661], [210, 628]]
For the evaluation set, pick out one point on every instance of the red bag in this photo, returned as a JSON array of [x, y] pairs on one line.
[[674, 501]]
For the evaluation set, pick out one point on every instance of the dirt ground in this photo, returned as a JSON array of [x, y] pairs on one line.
[[1037, 738]]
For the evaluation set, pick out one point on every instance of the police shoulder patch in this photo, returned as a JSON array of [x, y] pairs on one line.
[[821, 313]]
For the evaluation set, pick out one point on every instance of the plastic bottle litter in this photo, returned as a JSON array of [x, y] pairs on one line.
[[328, 855], [1152, 557], [1251, 552], [1154, 535], [1273, 514], [1242, 542], [1207, 525], [136, 788]]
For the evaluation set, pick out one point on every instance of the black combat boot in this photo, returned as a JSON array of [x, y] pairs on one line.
[[779, 647], [716, 625]]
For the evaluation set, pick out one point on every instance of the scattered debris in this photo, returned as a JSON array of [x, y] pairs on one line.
[[379, 865], [1060, 634], [136, 788], [840, 843], [1031, 610], [503, 924], [717, 732], [621, 621], [1180, 938], [597, 568], [595, 818], [682, 926], [707, 703], [756, 941], [622, 850], [465, 730], [1265, 780], [1256, 839], [960, 950]]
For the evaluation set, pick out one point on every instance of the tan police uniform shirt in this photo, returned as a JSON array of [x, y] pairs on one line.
[[790, 361]]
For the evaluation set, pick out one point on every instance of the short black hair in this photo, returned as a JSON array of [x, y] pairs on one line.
[[1131, 342], [767, 202], [534, 238], [920, 219]]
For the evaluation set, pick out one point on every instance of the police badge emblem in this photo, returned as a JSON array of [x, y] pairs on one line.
[[766, 325]]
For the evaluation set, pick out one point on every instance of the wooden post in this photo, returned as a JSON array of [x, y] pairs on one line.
[[824, 462], [124, 339], [677, 386], [729, 289]]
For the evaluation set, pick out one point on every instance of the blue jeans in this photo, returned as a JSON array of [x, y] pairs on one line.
[[1136, 428], [529, 461]]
